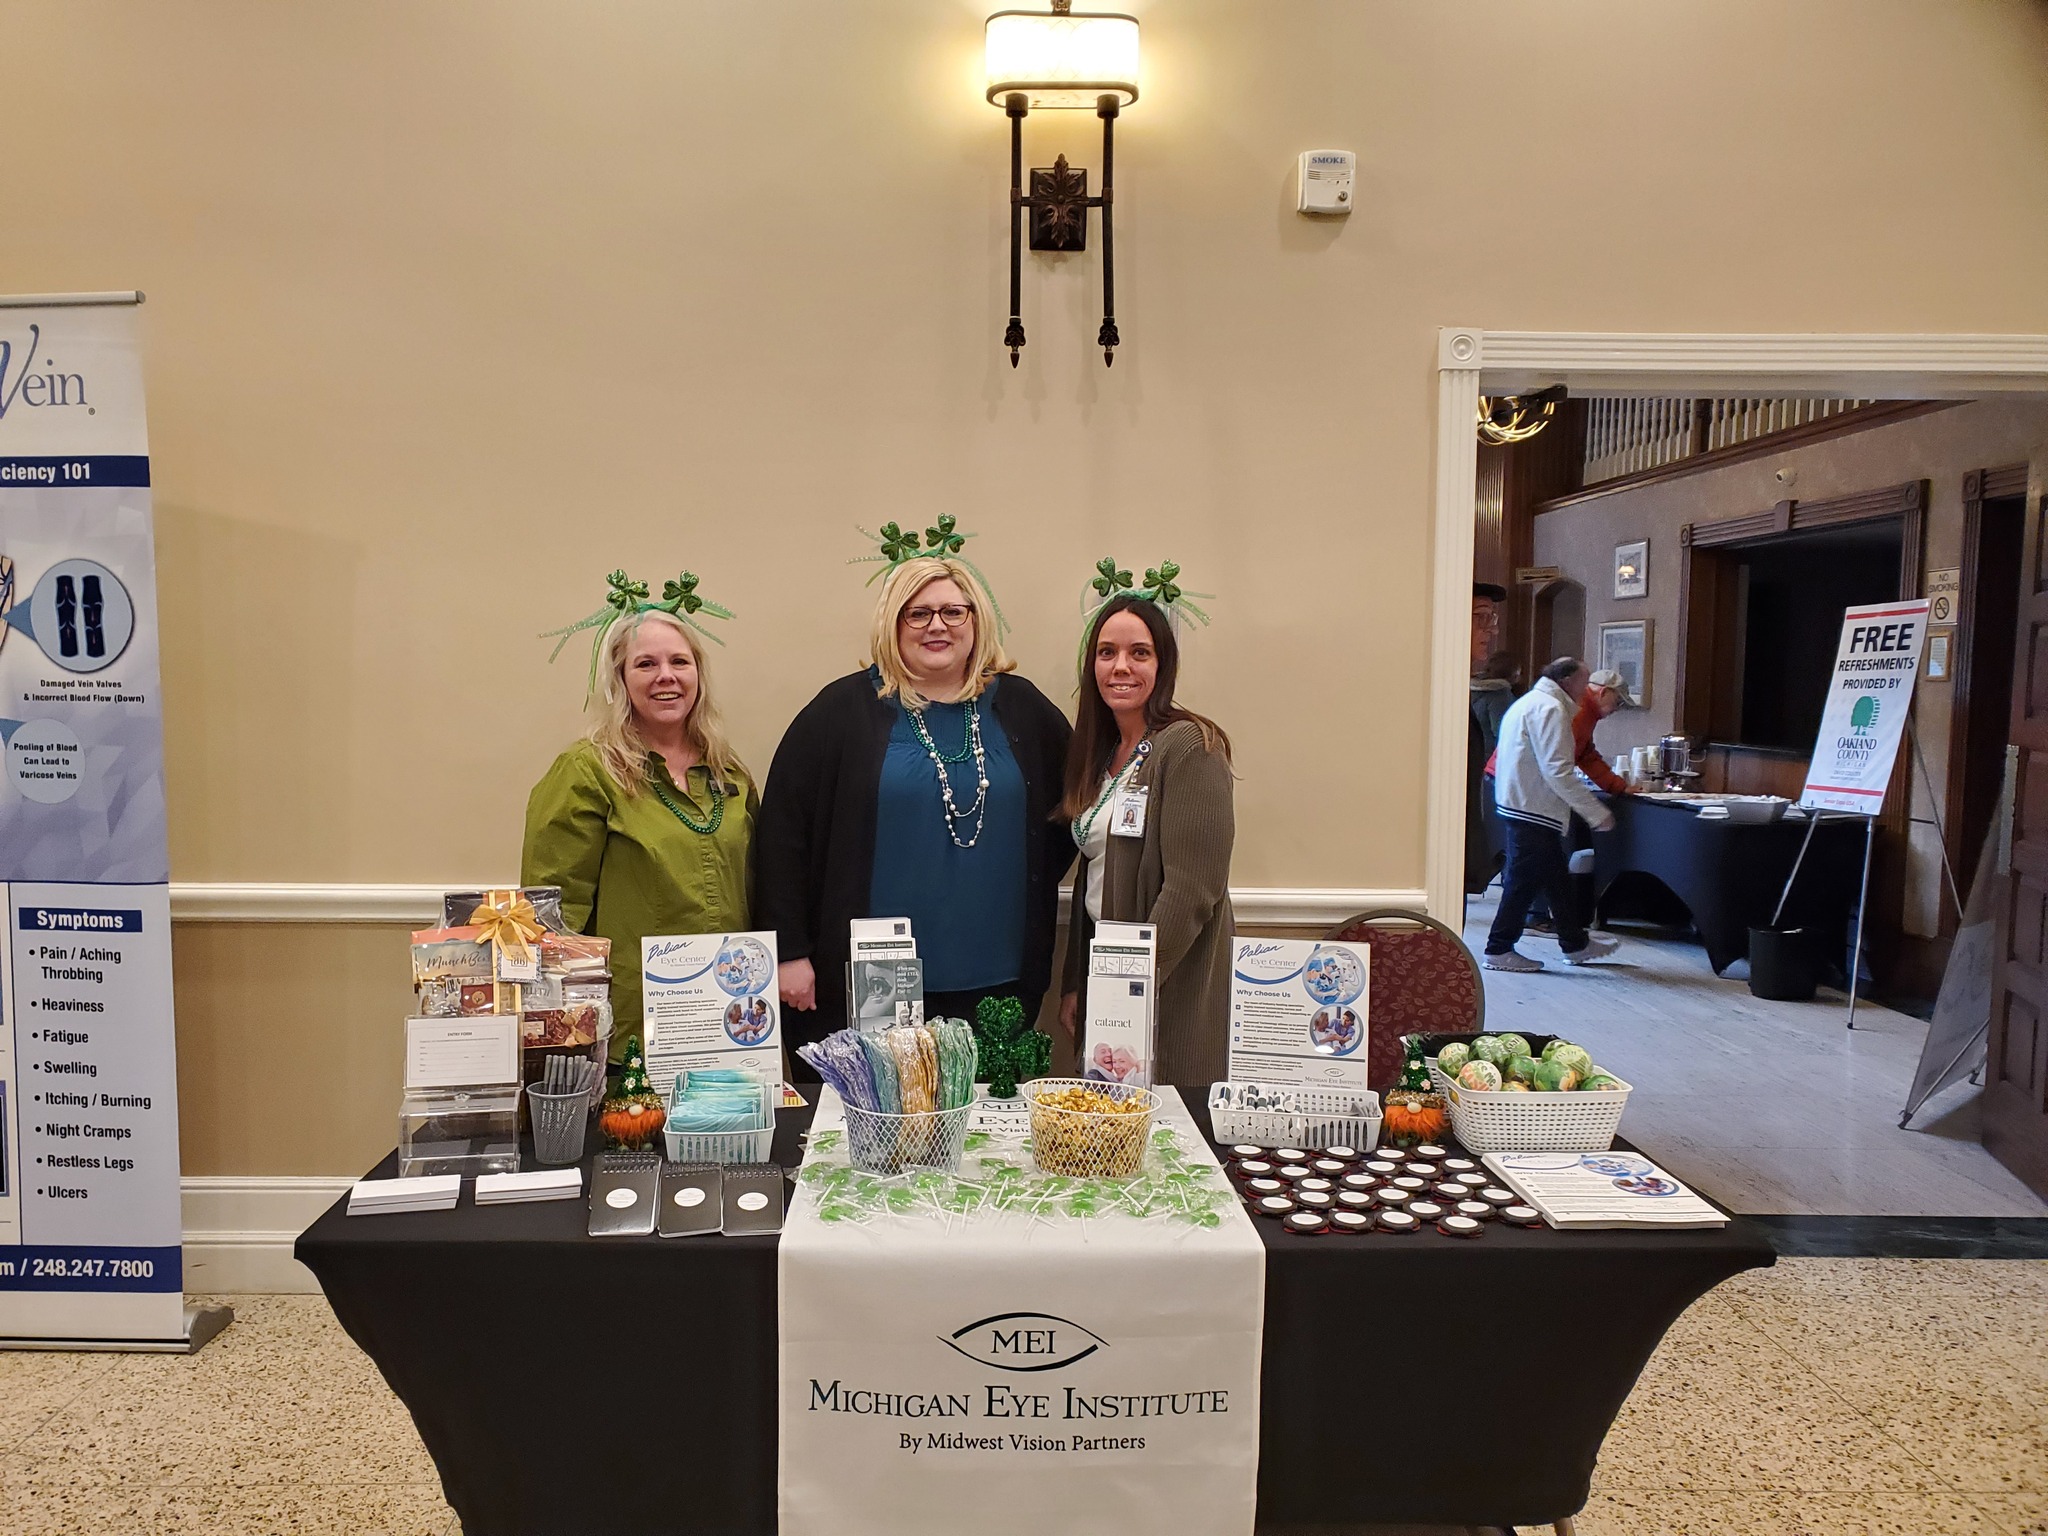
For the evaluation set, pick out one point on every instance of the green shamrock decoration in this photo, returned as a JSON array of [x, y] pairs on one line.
[[1111, 580], [1008, 1050], [897, 546], [682, 593], [942, 540], [1160, 580], [625, 591]]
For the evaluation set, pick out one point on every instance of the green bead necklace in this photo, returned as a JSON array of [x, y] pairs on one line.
[[717, 809]]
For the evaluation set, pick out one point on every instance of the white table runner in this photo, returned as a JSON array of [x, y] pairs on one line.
[[998, 1352]]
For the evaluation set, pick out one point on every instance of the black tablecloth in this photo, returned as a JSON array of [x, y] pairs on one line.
[[560, 1382], [1728, 875]]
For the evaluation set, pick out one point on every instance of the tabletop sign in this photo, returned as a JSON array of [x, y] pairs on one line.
[[1869, 693], [709, 1000], [1298, 1012]]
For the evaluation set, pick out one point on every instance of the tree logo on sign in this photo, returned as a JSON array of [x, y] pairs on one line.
[[1863, 718]]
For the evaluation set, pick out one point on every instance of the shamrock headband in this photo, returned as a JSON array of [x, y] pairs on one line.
[[942, 541], [1161, 587], [628, 599]]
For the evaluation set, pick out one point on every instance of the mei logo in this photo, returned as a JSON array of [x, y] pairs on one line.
[[1024, 1341], [21, 384]]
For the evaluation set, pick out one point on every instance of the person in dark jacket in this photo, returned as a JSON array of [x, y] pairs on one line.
[[923, 786], [1480, 862]]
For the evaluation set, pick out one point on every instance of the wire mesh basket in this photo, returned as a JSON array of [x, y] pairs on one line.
[[1085, 1143], [882, 1143]]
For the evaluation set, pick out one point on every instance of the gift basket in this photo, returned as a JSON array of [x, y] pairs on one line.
[[1524, 1093], [1089, 1130], [908, 1092]]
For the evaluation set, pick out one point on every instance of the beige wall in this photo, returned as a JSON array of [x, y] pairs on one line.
[[455, 306]]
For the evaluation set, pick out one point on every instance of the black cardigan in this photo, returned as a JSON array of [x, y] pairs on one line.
[[814, 843]]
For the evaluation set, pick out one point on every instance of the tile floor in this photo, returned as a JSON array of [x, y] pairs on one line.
[[1768, 1107], [1826, 1397]]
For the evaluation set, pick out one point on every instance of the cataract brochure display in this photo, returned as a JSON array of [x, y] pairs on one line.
[[1297, 1012], [709, 1000], [1117, 1043]]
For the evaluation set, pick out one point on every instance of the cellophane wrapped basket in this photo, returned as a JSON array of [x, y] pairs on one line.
[[1089, 1130], [879, 1143]]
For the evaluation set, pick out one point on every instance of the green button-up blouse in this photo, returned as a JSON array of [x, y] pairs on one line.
[[628, 867]]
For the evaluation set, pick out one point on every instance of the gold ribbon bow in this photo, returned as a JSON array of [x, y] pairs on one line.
[[508, 924]]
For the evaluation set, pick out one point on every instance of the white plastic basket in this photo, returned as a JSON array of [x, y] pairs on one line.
[[718, 1146], [725, 1146], [1583, 1120], [1324, 1119], [881, 1143]]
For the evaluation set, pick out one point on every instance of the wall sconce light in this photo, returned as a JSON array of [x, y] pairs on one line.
[[1517, 418], [1061, 58]]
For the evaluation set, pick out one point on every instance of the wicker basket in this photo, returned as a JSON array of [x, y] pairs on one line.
[[1501, 1121], [1325, 1118], [880, 1143], [1089, 1145]]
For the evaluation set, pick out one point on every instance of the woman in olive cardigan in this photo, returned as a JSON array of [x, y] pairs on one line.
[[1130, 736]]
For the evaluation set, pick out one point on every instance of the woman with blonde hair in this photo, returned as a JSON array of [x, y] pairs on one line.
[[922, 786], [647, 823]]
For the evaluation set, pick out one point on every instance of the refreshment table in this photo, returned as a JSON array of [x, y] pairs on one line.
[[560, 1381]]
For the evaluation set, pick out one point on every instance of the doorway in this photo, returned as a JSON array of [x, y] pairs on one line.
[[1988, 601]]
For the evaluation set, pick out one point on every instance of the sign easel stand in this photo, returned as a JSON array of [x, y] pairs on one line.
[[1869, 705]]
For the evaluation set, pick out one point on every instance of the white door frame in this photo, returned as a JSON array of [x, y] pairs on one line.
[[1471, 362]]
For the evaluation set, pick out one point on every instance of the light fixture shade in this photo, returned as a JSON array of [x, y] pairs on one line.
[[1063, 60]]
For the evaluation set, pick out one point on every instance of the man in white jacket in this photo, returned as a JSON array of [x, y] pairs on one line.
[[1537, 789]]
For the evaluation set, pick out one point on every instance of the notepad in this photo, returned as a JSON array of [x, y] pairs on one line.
[[538, 1184], [376, 1197]]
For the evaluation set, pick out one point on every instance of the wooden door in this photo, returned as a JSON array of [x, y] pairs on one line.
[[2016, 1078]]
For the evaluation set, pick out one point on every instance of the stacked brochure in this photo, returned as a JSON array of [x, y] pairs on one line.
[[539, 1184], [372, 1197], [1584, 1191]]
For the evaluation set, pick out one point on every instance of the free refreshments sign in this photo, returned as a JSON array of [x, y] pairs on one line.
[[1869, 693]]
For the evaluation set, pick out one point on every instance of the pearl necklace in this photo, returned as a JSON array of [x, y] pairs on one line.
[[1084, 825], [978, 810]]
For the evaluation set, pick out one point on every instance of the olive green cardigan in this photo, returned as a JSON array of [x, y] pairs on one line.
[[1176, 877]]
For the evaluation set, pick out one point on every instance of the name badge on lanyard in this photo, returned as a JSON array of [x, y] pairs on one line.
[[1129, 817]]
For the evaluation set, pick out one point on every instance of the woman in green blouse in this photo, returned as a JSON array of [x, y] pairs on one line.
[[646, 823]]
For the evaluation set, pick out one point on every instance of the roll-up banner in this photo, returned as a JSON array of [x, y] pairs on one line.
[[89, 1217]]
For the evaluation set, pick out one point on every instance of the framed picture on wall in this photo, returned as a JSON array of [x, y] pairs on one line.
[[1625, 648], [1632, 569]]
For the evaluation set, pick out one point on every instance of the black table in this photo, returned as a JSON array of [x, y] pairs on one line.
[[551, 1374], [1727, 875]]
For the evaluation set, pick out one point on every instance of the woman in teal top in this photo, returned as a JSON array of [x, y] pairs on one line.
[[646, 824]]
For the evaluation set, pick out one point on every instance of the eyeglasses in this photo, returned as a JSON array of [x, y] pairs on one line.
[[953, 615]]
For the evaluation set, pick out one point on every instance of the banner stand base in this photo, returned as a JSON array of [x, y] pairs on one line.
[[201, 1326]]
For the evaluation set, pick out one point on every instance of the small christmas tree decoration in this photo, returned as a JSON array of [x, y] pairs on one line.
[[1005, 1049], [1415, 1110], [632, 1117]]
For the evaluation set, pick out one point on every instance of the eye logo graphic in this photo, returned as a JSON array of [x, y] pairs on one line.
[[1863, 717], [1024, 1341]]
